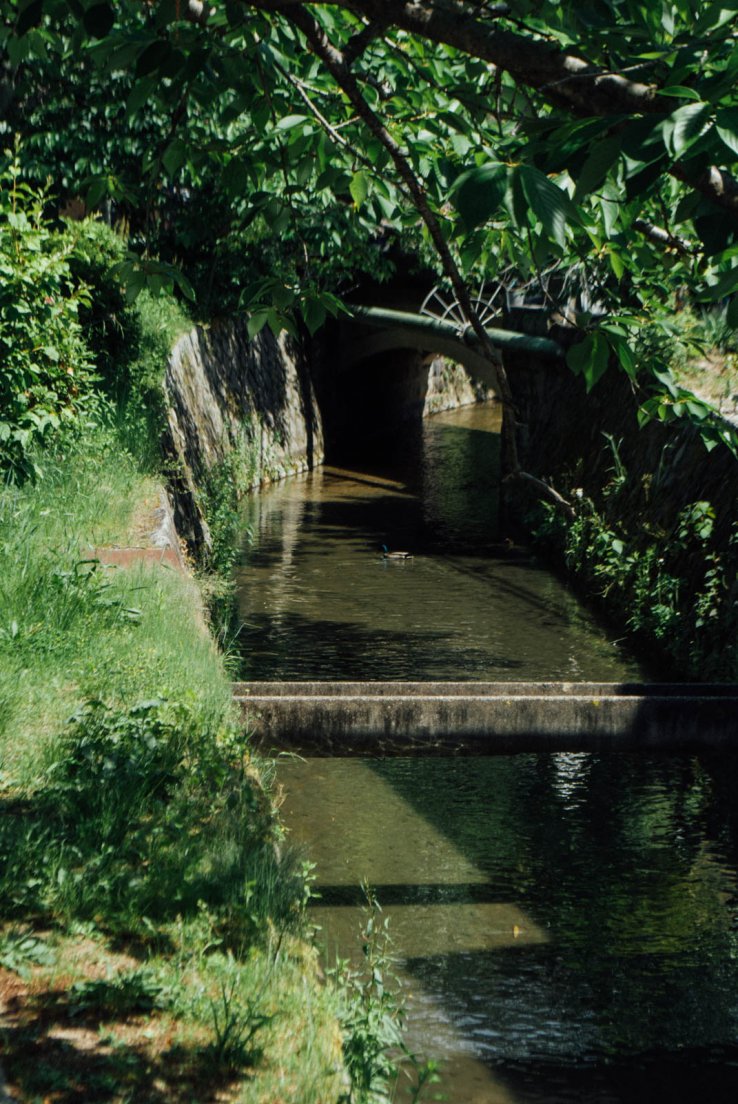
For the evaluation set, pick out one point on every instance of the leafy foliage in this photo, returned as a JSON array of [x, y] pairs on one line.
[[20, 949], [675, 591], [129, 992], [46, 381], [126, 822], [232, 149], [371, 1015]]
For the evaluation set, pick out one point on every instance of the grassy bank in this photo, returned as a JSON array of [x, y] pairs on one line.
[[150, 911]]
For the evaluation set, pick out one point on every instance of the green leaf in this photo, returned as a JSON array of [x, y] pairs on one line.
[[714, 16], [359, 187], [579, 354], [686, 207], [314, 314], [622, 350], [478, 193], [590, 358], [139, 95], [18, 49], [183, 284], [616, 263], [685, 125], [594, 170], [727, 127], [679, 92], [610, 199], [236, 177], [174, 156], [548, 202], [256, 322], [725, 285], [97, 189], [599, 361], [291, 121], [460, 145]]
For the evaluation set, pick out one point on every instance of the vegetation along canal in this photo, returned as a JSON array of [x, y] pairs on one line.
[[565, 924]]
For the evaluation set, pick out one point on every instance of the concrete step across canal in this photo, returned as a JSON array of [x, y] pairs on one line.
[[487, 718]]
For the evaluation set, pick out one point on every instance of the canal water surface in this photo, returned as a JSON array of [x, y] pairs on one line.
[[564, 924]]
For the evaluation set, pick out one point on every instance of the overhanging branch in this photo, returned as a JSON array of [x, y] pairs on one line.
[[563, 76]]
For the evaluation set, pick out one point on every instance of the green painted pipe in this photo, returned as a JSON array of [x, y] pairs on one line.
[[426, 326]]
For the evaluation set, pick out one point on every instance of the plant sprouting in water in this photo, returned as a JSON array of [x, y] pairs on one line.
[[372, 1017]]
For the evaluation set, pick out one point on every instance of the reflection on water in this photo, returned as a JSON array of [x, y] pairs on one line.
[[317, 600], [566, 923]]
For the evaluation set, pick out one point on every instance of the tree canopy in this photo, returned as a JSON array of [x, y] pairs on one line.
[[589, 149]]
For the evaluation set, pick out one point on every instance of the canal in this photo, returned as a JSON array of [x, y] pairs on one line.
[[564, 924]]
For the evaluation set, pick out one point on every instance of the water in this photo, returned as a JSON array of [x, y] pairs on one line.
[[565, 924], [317, 600]]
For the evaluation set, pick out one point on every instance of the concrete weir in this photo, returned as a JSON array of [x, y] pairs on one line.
[[488, 718]]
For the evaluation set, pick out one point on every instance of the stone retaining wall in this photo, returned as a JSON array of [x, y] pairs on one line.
[[226, 391]]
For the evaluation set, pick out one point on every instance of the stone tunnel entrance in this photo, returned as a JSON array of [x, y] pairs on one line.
[[385, 391]]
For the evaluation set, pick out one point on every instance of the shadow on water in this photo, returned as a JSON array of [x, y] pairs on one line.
[[565, 922], [625, 862], [273, 642]]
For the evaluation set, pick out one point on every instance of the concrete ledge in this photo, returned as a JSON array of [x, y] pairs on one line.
[[488, 718]]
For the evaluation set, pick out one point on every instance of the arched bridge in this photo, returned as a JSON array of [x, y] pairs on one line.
[[382, 330]]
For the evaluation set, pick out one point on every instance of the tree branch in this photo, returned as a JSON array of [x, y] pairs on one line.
[[715, 184], [356, 46], [564, 77], [335, 62], [328, 127], [659, 236]]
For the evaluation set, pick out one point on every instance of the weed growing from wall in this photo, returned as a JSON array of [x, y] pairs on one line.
[[675, 590]]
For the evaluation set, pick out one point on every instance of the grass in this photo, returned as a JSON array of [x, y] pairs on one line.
[[71, 630], [151, 915]]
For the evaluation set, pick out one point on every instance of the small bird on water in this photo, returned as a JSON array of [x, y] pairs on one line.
[[387, 555]]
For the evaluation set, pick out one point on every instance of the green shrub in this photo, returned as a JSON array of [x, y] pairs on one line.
[[46, 380], [673, 590], [130, 340], [141, 816], [112, 326]]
